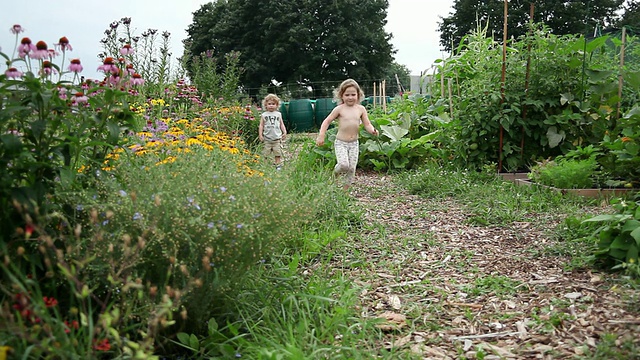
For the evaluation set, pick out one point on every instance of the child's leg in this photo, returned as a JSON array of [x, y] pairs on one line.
[[342, 157], [353, 154], [277, 152]]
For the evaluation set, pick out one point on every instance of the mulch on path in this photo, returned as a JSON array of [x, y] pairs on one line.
[[445, 288]]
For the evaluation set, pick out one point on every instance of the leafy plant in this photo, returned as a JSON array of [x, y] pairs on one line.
[[619, 236], [565, 173]]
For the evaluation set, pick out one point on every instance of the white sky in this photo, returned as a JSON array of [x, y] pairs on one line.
[[413, 24]]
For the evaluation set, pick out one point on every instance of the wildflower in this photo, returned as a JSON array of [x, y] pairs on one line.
[[71, 325], [53, 53], [64, 45], [122, 193], [626, 139], [79, 98], [136, 79], [75, 66], [108, 66], [13, 73], [16, 29], [127, 50], [47, 68], [137, 216], [41, 51], [102, 345], [25, 47], [49, 301], [28, 230], [129, 69]]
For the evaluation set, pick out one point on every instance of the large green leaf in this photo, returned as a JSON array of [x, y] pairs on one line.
[[395, 132], [554, 136]]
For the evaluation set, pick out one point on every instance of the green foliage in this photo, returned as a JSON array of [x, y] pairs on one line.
[[314, 41], [488, 199], [47, 134], [565, 173], [619, 236], [217, 78], [562, 20], [151, 56], [565, 97]]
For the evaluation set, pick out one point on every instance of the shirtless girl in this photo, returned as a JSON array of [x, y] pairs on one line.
[[349, 113]]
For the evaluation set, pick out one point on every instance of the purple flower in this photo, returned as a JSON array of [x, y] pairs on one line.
[[122, 193], [75, 66], [127, 50], [63, 44], [16, 29], [13, 73], [137, 216]]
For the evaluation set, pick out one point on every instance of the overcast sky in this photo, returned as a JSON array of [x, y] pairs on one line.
[[413, 24]]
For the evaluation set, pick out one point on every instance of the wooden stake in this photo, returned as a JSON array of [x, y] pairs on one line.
[[384, 95], [502, 79], [374, 95]]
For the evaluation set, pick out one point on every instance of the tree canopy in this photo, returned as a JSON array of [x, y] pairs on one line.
[[295, 40], [561, 17]]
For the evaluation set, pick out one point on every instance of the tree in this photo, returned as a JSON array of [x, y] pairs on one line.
[[305, 41], [631, 15], [562, 17]]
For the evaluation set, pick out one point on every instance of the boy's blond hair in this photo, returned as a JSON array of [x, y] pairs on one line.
[[337, 93], [270, 97]]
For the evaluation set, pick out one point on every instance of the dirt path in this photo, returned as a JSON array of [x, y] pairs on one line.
[[447, 288]]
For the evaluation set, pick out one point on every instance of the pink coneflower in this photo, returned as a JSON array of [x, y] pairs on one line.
[[25, 47], [62, 93], [64, 45], [136, 79], [16, 29], [127, 50], [129, 69], [13, 73], [108, 66], [41, 52], [53, 53], [75, 66], [47, 68], [80, 98]]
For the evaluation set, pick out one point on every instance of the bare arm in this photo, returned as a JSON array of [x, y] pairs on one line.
[[367, 123], [325, 125]]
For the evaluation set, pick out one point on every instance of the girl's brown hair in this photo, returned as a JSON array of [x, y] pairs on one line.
[[337, 93]]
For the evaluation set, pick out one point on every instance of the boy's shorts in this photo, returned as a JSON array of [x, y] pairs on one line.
[[272, 147]]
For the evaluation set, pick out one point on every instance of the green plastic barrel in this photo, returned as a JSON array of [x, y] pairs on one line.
[[284, 110], [301, 115], [323, 108]]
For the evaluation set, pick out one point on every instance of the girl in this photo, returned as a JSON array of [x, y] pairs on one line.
[[349, 113]]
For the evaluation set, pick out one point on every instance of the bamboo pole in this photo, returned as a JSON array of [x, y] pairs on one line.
[[502, 79], [526, 82], [374, 95], [442, 82], [620, 79], [384, 96], [450, 98]]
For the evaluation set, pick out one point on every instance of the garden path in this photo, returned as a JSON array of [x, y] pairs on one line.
[[446, 288]]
